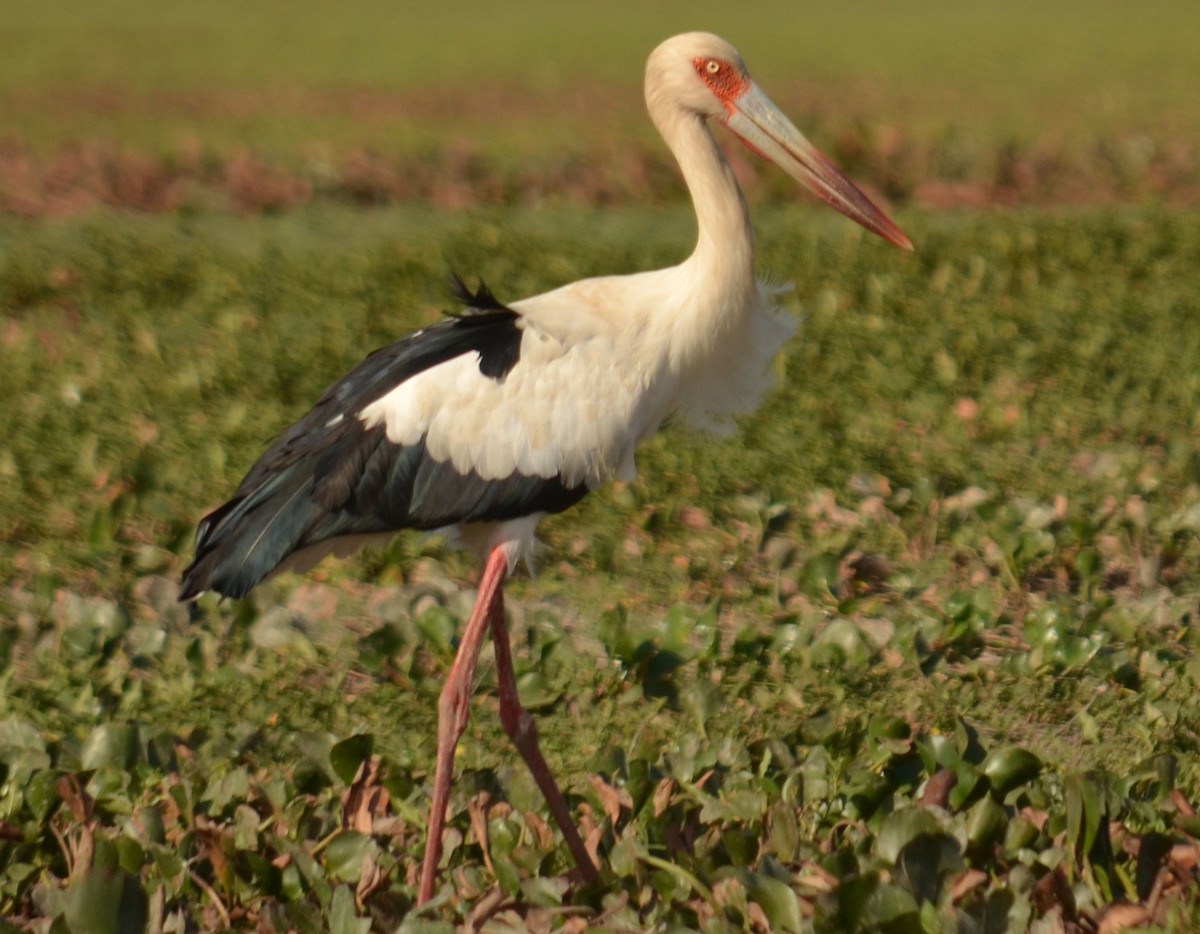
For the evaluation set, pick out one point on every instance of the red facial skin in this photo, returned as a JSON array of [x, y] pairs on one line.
[[727, 85], [725, 81]]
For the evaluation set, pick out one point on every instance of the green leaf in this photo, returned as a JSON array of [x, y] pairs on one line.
[[314, 771], [841, 643], [1188, 824], [267, 877], [438, 627], [925, 863], [866, 792], [106, 901], [891, 908], [343, 916], [938, 751], [377, 649], [414, 925], [778, 902], [344, 855], [700, 700], [41, 793], [149, 822], [231, 787], [110, 744], [820, 573], [903, 826], [1020, 834], [784, 836], [545, 892], [22, 743], [508, 877], [304, 918], [625, 854], [986, 822], [349, 754], [1085, 811], [741, 843], [131, 856], [970, 784], [1010, 767]]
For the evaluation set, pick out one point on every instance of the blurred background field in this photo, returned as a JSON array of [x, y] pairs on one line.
[[961, 539], [153, 106]]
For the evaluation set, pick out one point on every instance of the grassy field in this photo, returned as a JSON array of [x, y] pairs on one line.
[[1021, 67], [152, 107], [915, 651]]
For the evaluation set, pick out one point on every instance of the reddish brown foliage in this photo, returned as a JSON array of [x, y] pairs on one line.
[[83, 177]]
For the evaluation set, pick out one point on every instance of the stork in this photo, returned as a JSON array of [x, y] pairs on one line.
[[482, 424]]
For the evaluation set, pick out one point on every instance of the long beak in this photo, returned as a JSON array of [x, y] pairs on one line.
[[763, 127]]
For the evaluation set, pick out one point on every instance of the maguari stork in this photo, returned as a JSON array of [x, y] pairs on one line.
[[500, 414]]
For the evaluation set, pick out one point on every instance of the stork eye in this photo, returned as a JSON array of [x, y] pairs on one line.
[[724, 78]]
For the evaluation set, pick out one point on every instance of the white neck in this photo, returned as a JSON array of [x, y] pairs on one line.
[[723, 260]]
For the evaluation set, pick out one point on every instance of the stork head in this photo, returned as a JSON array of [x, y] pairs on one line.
[[702, 74]]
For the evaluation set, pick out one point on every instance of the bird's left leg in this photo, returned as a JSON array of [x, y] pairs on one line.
[[521, 729], [453, 707]]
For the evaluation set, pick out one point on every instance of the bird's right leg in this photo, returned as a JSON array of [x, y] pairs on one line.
[[453, 709], [521, 729]]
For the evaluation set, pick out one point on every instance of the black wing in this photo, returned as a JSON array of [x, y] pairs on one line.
[[328, 476]]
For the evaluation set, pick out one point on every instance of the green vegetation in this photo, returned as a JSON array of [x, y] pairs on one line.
[[152, 106], [916, 651], [1021, 67], [961, 538]]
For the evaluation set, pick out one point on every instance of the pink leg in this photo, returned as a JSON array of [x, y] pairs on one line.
[[453, 709], [521, 729]]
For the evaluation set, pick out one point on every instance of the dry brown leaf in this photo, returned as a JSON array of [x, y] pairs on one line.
[[757, 918], [816, 877], [484, 908], [76, 799], [611, 799], [1122, 917], [501, 809], [616, 906], [1182, 805], [542, 920], [662, 795], [1052, 922], [477, 814], [511, 920], [729, 892], [1035, 817], [80, 851], [370, 878], [590, 831], [938, 788], [210, 846], [1053, 893], [364, 799], [541, 830], [1184, 856], [966, 883]]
